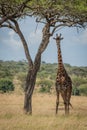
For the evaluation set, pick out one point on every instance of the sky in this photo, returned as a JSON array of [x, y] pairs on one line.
[[73, 46]]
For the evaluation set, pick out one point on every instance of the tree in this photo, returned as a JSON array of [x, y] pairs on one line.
[[12, 23], [54, 14]]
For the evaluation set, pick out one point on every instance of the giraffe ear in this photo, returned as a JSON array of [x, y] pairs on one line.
[[61, 37], [54, 38], [56, 35], [60, 34]]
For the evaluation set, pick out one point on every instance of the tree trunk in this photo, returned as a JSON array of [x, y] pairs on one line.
[[28, 104], [30, 84], [29, 88]]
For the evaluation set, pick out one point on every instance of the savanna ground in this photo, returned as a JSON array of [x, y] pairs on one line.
[[12, 116]]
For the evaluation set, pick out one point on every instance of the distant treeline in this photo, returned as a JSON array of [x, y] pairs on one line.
[[46, 75]]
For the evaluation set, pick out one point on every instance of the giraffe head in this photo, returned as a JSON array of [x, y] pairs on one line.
[[58, 38]]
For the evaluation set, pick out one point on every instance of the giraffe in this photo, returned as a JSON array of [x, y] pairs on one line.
[[63, 82]]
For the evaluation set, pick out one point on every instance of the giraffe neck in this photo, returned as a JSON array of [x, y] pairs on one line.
[[60, 61]]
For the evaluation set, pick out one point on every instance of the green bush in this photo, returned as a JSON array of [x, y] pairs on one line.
[[45, 85], [83, 89], [6, 85], [22, 77], [77, 81], [75, 91]]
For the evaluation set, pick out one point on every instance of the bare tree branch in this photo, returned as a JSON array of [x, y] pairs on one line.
[[43, 45], [61, 25], [9, 26], [23, 42]]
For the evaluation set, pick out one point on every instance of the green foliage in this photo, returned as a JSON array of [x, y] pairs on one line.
[[46, 75], [77, 81], [65, 11], [45, 85], [83, 89], [47, 71], [9, 5], [79, 71], [6, 85], [77, 5], [8, 69], [75, 91], [22, 77]]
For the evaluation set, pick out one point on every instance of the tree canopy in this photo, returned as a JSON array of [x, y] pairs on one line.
[[12, 9], [66, 12], [57, 13], [60, 12]]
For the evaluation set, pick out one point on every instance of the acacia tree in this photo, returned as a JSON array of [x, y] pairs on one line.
[[53, 14], [11, 9]]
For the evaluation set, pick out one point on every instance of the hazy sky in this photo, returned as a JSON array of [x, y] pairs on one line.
[[74, 44]]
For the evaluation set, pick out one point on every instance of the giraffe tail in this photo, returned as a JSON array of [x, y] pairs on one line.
[[71, 105]]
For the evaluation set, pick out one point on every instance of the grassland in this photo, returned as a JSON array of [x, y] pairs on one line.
[[12, 116]]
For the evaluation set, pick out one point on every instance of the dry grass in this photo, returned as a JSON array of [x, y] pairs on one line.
[[43, 118]]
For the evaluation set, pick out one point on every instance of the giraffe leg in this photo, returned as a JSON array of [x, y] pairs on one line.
[[57, 102], [68, 95], [64, 96], [68, 99], [65, 103], [67, 107]]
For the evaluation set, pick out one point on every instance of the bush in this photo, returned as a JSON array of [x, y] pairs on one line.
[[22, 77], [75, 91], [45, 85], [77, 81], [83, 89], [6, 85]]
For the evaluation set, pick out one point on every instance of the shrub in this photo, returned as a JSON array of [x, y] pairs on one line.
[[6, 85], [22, 77], [77, 81], [75, 91], [45, 85], [83, 89]]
